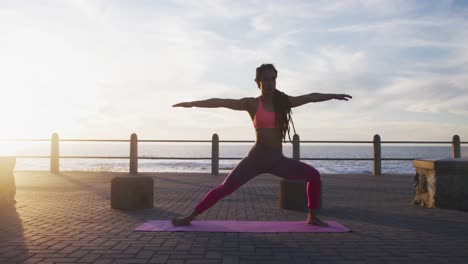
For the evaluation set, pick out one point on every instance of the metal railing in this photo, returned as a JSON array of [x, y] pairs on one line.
[[377, 153]]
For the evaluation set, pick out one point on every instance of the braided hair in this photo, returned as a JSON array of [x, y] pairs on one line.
[[281, 104]]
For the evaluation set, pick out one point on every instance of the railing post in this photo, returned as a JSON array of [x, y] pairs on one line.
[[133, 154], [54, 154], [215, 154], [456, 153], [296, 147], [377, 170]]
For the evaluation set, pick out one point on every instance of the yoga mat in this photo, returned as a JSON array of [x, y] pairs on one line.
[[243, 227]]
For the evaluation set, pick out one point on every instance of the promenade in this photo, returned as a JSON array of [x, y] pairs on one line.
[[66, 217]]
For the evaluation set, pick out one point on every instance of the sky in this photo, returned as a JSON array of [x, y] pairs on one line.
[[104, 69]]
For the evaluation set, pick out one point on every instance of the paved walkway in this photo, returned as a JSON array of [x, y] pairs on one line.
[[67, 218]]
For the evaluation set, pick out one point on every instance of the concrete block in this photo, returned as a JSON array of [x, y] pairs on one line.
[[441, 183], [132, 192], [7, 181], [293, 195]]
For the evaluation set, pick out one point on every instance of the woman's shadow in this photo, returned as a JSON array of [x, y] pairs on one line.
[[12, 240]]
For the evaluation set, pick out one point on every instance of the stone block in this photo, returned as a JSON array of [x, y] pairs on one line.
[[132, 192], [7, 181], [441, 183], [293, 195]]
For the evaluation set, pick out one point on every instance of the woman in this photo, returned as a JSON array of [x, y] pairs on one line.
[[271, 115]]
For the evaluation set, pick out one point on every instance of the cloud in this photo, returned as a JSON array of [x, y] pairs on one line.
[[125, 63], [328, 69], [259, 24], [427, 94]]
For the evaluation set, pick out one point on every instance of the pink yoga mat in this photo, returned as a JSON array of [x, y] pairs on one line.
[[243, 226]]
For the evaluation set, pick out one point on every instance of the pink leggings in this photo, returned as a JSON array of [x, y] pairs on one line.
[[260, 160]]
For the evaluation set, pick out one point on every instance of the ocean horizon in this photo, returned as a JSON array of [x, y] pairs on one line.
[[231, 150]]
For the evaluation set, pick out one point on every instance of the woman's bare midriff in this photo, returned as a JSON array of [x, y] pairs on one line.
[[270, 137]]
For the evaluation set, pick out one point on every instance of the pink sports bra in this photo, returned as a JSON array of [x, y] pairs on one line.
[[264, 119]]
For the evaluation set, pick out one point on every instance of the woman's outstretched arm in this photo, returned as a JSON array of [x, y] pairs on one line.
[[234, 104], [316, 97]]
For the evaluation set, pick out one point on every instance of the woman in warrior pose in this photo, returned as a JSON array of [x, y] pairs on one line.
[[271, 116]]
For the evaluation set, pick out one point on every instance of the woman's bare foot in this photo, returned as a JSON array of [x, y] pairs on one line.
[[312, 219], [315, 221], [181, 221]]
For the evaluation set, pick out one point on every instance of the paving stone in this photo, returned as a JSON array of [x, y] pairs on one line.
[[213, 255], [29, 260], [146, 254], [67, 217], [230, 260], [89, 258]]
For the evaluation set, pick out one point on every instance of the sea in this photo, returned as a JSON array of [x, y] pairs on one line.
[[203, 150]]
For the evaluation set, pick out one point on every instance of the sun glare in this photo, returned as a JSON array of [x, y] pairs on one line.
[[6, 148], [39, 74]]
